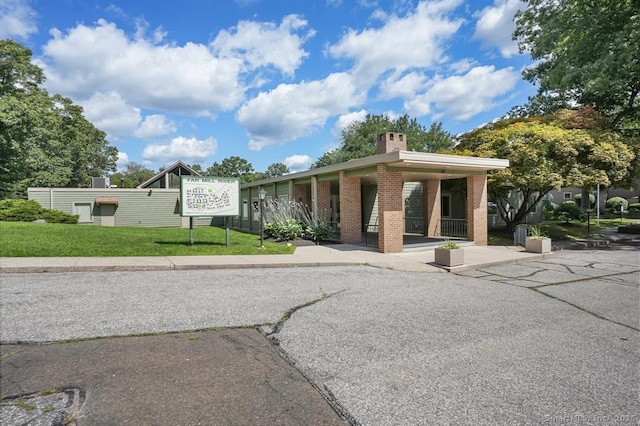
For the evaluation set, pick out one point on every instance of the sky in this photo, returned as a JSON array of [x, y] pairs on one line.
[[270, 81]]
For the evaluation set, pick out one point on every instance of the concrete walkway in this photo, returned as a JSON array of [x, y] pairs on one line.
[[325, 255]]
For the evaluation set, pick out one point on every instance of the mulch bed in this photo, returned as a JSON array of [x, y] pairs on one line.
[[298, 242]]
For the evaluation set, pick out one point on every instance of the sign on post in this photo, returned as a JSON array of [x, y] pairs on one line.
[[209, 196]]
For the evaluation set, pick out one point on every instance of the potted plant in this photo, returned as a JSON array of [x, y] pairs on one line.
[[537, 241], [449, 254]]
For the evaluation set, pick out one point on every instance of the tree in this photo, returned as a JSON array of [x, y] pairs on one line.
[[275, 170], [568, 148], [44, 140], [232, 167], [197, 168], [586, 52], [134, 175], [359, 138]]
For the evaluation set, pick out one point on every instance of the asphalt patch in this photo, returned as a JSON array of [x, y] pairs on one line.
[[232, 376]]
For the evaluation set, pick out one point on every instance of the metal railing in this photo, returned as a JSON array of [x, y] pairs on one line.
[[371, 234], [453, 228], [414, 225]]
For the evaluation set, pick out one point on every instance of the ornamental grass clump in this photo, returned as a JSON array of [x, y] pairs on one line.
[[535, 233], [450, 245], [289, 219]]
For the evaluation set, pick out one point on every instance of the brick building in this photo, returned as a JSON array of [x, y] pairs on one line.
[[384, 197], [375, 194]]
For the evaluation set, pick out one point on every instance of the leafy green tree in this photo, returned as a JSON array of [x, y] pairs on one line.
[[233, 167], [197, 168], [44, 140], [569, 148], [134, 175], [586, 52], [275, 170], [359, 138]]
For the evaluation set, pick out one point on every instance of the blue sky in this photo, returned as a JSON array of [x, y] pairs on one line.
[[269, 80]]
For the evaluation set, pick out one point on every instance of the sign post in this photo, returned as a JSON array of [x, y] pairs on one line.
[[205, 196]]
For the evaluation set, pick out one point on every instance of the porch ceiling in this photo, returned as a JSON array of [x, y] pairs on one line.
[[414, 166]]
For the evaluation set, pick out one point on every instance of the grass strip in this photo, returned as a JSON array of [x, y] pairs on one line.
[[21, 239]]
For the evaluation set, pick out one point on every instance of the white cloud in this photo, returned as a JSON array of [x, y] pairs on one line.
[[155, 125], [181, 148], [464, 96], [298, 162], [17, 19], [346, 119], [261, 44], [403, 87], [110, 113], [462, 66], [122, 161], [292, 110], [495, 26], [416, 40], [164, 77]]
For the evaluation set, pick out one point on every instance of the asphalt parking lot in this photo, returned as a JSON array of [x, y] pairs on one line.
[[552, 341]]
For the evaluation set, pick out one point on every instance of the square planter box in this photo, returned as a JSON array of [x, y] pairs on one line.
[[447, 257], [538, 246]]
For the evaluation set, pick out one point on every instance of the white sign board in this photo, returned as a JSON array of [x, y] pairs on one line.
[[209, 196]]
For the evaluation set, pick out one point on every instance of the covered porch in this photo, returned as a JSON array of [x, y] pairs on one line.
[[368, 195]]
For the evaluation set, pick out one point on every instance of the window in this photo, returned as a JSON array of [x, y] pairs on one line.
[[566, 196], [83, 210], [245, 208], [255, 203], [445, 206]]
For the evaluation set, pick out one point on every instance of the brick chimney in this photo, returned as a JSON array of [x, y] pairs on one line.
[[389, 142]]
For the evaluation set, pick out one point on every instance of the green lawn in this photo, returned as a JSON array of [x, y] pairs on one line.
[[21, 239], [559, 230]]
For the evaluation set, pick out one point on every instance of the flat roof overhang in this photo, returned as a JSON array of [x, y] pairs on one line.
[[414, 166], [107, 200]]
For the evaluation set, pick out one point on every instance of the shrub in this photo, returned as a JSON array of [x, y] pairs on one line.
[[288, 229], [14, 210], [319, 231], [592, 200], [568, 211], [634, 207], [548, 209], [56, 216], [613, 204]]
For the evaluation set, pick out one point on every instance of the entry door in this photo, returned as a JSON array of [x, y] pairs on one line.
[[108, 214]]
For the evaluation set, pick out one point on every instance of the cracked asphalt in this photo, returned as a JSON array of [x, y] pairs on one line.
[[552, 341]]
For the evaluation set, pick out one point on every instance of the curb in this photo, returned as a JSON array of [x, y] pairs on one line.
[[171, 267]]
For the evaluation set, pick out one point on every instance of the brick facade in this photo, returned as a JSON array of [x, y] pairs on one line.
[[389, 142], [390, 210], [324, 200], [350, 209], [298, 192], [477, 209], [431, 198]]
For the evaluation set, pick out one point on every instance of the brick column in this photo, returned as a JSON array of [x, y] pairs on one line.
[[390, 211], [320, 198], [350, 209], [477, 209], [324, 200], [432, 199], [298, 193]]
